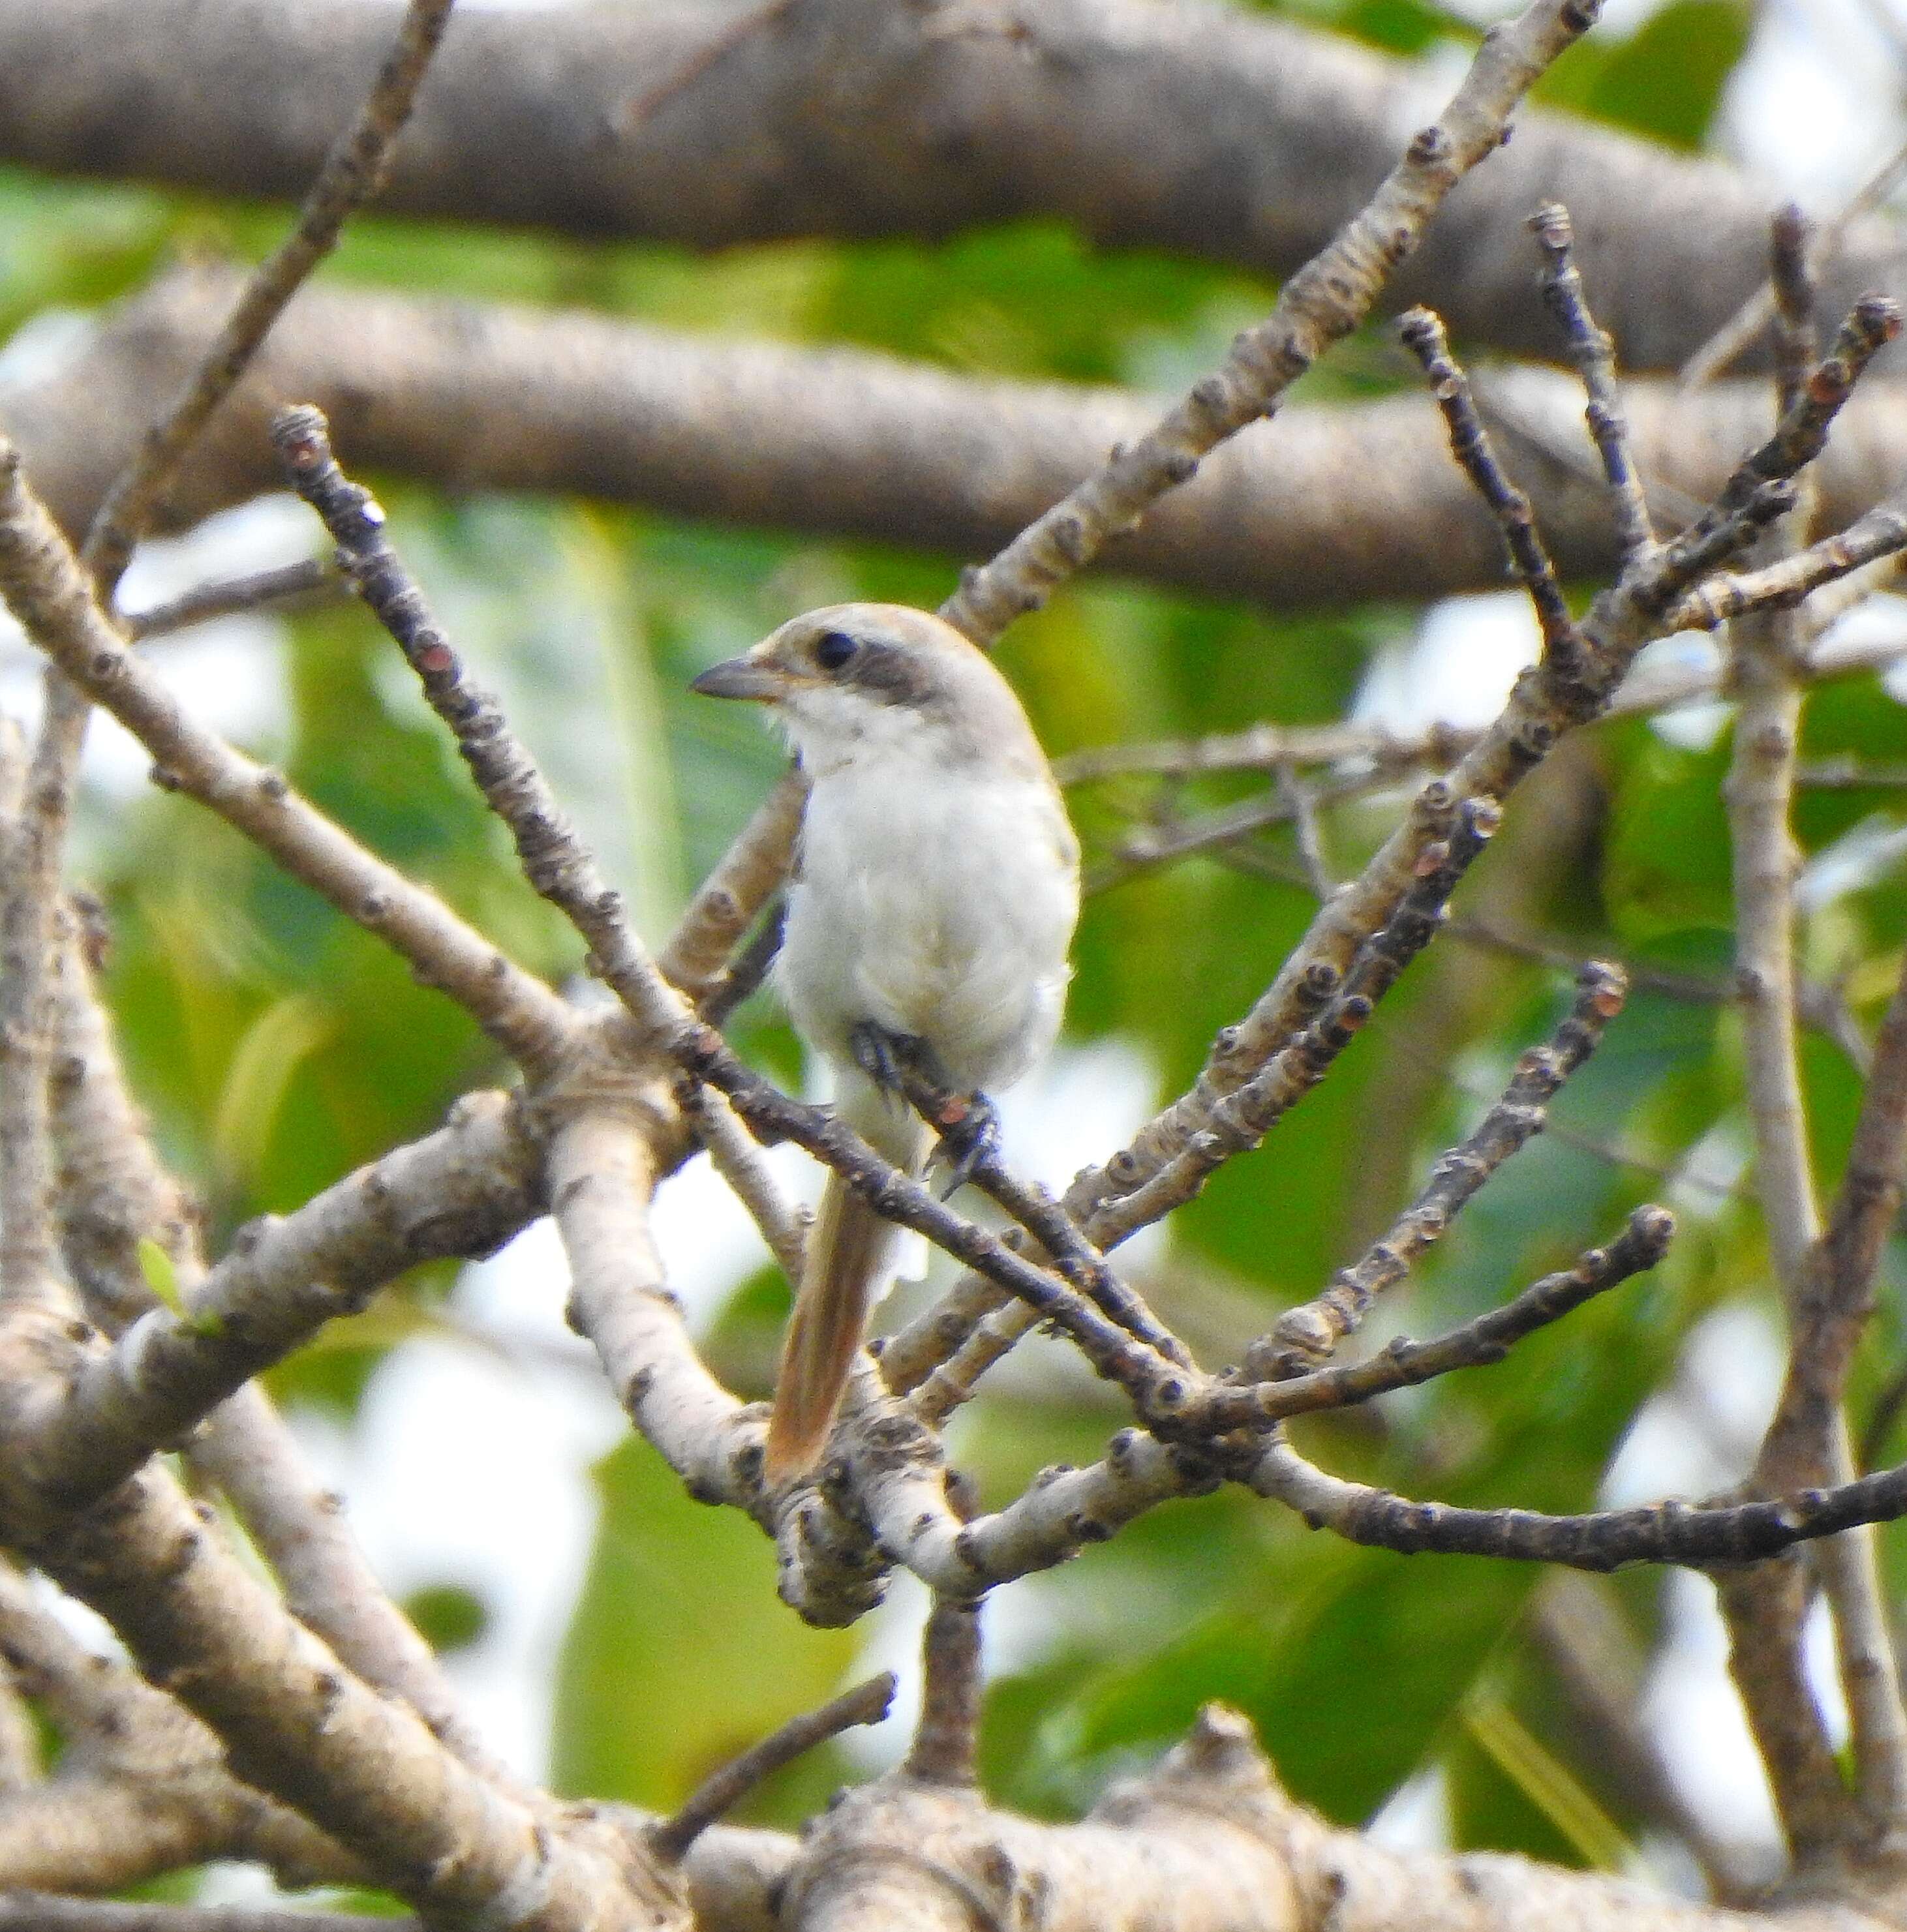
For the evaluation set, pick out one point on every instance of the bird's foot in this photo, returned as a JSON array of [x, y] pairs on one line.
[[886, 1058], [969, 1134], [901, 1063]]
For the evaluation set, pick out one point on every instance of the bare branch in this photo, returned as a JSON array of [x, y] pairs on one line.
[[290, 586], [45, 588], [735, 1156], [1594, 355], [1484, 1338], [460, 1191], [298, 1726], [45, 1911], [723, 1790], [1114, 118], [1423, 334], [1320, 304], [113, 1193], [846, 441], [1542, 706], [352, 174], [1242, 1118], [1735, 336], [1308, 1334], [946, 1736], [1439, 746]]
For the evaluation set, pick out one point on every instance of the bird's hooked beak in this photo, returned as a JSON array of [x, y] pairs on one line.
[[747, 677]]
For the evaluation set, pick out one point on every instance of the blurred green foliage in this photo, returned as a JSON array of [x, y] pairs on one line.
[[277, 1046]]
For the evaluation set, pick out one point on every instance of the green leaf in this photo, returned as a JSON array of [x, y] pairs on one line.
[[1665, 81], [448, 1616], [284, 1034], [161, 1276], [680, 1655]]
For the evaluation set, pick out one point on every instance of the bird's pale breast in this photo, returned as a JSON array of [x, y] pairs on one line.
[[934, 904]]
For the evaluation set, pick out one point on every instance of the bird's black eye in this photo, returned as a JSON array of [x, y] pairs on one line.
[[833, 648]]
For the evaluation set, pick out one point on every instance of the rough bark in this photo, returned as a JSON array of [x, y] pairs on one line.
[[1186, 127], [1328, 503]]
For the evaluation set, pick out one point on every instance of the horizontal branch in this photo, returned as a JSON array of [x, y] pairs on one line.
[[1205, 1841], [1191, 128], [842, 442], [1651, 688]]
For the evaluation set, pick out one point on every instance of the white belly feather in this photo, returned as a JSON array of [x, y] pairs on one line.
[[931, 904]]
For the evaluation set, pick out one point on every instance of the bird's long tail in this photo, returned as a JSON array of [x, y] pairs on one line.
[[851, 1259]]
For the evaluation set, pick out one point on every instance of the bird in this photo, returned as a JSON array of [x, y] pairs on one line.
[[930, 912]]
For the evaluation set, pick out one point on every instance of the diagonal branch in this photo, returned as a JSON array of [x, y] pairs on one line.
[[1323, 303], [44, 587], [1308, 1334], [352, 175]]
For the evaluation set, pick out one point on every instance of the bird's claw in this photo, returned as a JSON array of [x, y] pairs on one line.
[[897, 1063], [968, 1137], [884, 1057]]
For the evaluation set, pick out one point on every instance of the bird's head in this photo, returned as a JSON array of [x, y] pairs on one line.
[[857, 680]]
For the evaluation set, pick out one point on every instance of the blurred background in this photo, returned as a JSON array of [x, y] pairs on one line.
[[621, 1640]]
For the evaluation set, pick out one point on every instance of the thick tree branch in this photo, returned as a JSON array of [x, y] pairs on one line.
[[298, 1726], [1323, 302], [460, 1191], [1205, 1843], [142, 1787], [843, 443], [1190, 127], [113, 1194]]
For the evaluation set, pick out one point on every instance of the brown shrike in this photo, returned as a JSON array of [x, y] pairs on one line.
[[934, 892]]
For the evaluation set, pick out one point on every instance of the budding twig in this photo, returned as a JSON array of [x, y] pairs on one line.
[[1594, 356], [1308, 1334]]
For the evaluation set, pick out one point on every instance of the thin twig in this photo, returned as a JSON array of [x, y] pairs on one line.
[[734, 1155], [1594, 355], [947, 1736], [1470, 443], [723, 1790], [1541, 707], [352, 173], [1029, 1204], [1307, 832], [1739, 331], [1308, 1334], [710, 54], [1264, 748], [749, 874], [44, 587], [1764, 1613], [1320, 304], [1484, 1339], [1241, 1121], [1880, 533], [288, 585], [746, 973]]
